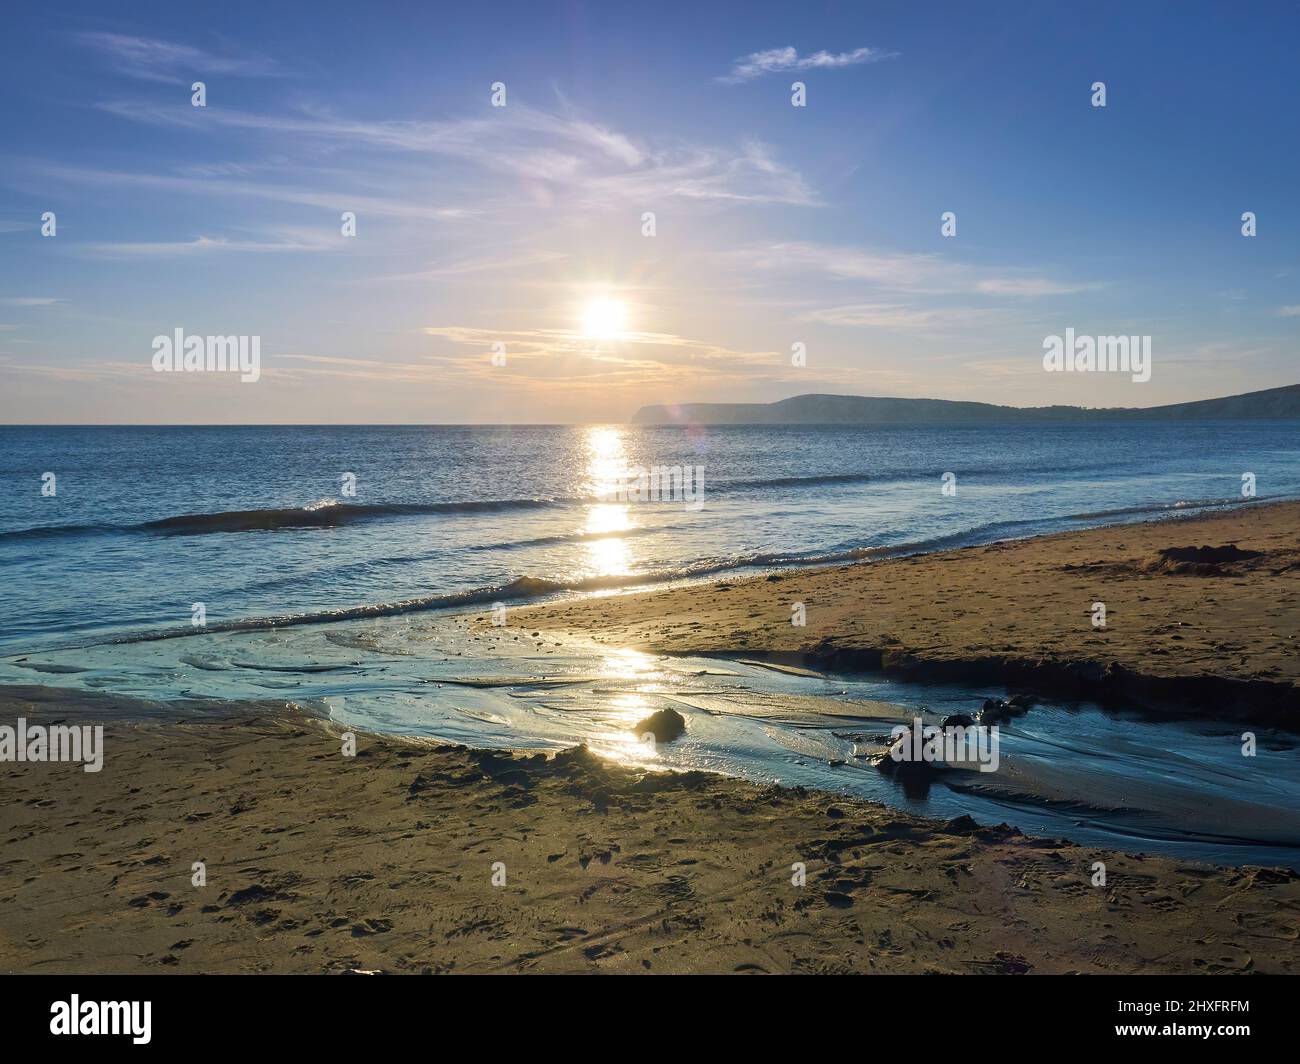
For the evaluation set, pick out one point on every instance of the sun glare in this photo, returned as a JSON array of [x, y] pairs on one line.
[[607, 551], [604, 319]]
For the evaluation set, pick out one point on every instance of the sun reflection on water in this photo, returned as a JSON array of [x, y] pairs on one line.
[[625, 663], [627, 708], [606, 522]]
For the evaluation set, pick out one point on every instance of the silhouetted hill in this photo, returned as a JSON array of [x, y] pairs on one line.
[[862, 410]]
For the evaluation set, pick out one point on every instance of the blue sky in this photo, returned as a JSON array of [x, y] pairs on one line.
[[774, 224]]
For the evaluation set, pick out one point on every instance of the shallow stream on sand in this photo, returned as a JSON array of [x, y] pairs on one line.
[[1105, 778]]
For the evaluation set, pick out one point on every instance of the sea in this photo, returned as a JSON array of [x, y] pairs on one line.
[[302, 524]]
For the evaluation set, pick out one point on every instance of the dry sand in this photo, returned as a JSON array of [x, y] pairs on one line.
[[316, 862]]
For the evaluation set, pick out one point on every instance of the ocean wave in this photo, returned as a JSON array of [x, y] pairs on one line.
[[892, 476], [532, 587], [521, 589], [524, 587], [330, 513], [562, 538], [327, 513], [811, 481], [1165, 507], [392, 561]]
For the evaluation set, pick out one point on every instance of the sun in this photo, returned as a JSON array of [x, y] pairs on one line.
[[604, 319]]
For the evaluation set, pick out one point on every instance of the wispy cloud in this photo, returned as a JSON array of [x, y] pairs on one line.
[[1030, 286], [903, 271], [915, 273], [554, 155], [568, 355], [782, 60], [29, 301], [1292, 311], [152, 59], [330, 200], [748, 176], [495, 265], [898, 317], [478, 138], [297, 240]]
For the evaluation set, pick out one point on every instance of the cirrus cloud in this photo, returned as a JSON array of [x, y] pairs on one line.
[[781, 60]]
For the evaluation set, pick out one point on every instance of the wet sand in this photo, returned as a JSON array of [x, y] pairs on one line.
[[384, 862], [1217, 638]]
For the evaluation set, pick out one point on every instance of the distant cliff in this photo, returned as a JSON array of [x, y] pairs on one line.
[[862, 410]]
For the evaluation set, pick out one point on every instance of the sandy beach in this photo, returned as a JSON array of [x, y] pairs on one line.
[[414, 856], [384, 862]]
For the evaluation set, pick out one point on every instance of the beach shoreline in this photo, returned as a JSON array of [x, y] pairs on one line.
[[1212, 638], [421, 856]]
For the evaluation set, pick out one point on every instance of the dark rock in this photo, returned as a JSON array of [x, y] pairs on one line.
[[996, 711], [958, 720], [665, 725]]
